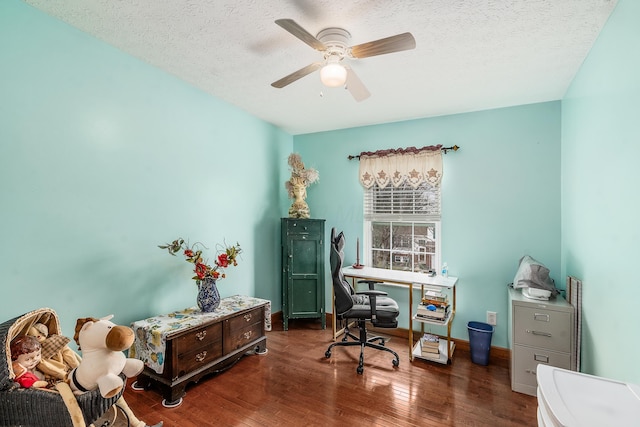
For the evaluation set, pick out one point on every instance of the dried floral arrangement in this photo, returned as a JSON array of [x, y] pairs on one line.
[[299, 174]]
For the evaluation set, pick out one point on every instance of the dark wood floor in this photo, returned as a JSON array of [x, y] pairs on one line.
[[295, 385]]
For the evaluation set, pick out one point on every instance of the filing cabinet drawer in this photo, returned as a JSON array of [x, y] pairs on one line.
[[526, 360], [538, 327]]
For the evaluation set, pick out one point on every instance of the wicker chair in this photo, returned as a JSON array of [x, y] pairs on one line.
[[32, 407]]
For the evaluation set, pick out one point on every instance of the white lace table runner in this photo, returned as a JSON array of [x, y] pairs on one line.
[[152, 333]]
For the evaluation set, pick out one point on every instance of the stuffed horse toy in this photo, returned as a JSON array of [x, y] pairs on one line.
[[102, 344]]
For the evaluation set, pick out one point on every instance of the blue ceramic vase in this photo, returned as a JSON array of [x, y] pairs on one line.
[[208, 295]]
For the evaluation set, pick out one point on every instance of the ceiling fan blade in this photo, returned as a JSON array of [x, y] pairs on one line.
[[355, 86], [400, 42], [296, 75], [295, 29]]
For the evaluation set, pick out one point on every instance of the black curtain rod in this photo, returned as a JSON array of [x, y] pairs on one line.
[[445, 149]]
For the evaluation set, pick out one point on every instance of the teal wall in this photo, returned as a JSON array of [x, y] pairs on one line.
[[500, 196], [600, 176], [102, 158]]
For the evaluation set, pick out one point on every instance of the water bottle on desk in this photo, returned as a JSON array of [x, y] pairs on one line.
[[445, 270]]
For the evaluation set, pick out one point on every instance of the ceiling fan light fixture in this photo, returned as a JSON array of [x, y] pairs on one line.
[[333, 75]]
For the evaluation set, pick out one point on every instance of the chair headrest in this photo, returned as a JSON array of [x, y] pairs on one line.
[[339, 241]]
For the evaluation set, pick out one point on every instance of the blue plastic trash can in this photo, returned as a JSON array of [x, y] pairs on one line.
[[480, 342]]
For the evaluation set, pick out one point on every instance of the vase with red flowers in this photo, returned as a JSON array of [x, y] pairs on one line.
[[206, 275]]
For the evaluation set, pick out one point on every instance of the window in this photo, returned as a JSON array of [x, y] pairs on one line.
[[402, 227]]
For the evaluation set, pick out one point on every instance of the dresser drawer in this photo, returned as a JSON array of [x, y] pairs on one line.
[[197, 358], [305, 227], [200, 338], [243, 329], [249, 318], [544, 328], [526, 361], [241, 337]]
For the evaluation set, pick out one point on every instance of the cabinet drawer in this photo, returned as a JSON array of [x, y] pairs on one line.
[[249, 318], [527, 359], [200, 338], [197, 358], [543, 328], [304, 227], [237, 338]]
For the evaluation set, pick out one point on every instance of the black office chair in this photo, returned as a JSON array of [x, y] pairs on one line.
[[362, 307]]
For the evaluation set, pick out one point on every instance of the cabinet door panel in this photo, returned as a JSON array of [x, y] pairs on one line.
[[306, 296], [304, 256]]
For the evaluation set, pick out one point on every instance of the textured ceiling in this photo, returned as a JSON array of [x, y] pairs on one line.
[[470, 55]]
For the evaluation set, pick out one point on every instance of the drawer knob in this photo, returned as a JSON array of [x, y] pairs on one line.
[[247, 317], [200, 335], [247, 335], [541, 334], [201, 356]]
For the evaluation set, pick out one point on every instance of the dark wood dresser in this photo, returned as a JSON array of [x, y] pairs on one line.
[[182, 347]]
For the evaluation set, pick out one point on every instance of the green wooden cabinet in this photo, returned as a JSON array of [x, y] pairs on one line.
[[302, 269]]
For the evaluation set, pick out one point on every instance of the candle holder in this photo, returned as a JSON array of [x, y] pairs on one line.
[[357, 265]]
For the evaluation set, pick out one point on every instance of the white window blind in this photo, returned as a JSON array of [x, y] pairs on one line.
[[402, 203]]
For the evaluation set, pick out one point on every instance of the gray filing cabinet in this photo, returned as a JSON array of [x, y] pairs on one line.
[[539, 332]]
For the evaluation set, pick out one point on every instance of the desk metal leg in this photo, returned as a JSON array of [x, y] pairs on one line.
[[411, 322]]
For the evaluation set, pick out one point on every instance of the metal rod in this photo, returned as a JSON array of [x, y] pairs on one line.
[[444, 149]]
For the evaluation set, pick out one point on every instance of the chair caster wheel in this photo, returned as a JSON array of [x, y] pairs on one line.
[[327, 354], [360, 370], [396, 363]]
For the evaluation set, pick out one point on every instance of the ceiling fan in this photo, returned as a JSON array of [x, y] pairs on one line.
[[334, 43]]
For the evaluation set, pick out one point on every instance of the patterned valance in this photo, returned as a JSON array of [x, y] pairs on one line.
[[411, 165]]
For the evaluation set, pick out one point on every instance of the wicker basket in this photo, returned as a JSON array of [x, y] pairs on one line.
[[33, 407]]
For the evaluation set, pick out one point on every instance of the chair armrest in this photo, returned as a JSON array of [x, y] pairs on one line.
[[372, 293], [370, 282], [372, 300]]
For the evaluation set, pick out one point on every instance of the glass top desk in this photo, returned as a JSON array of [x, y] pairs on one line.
[[408, 279]]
